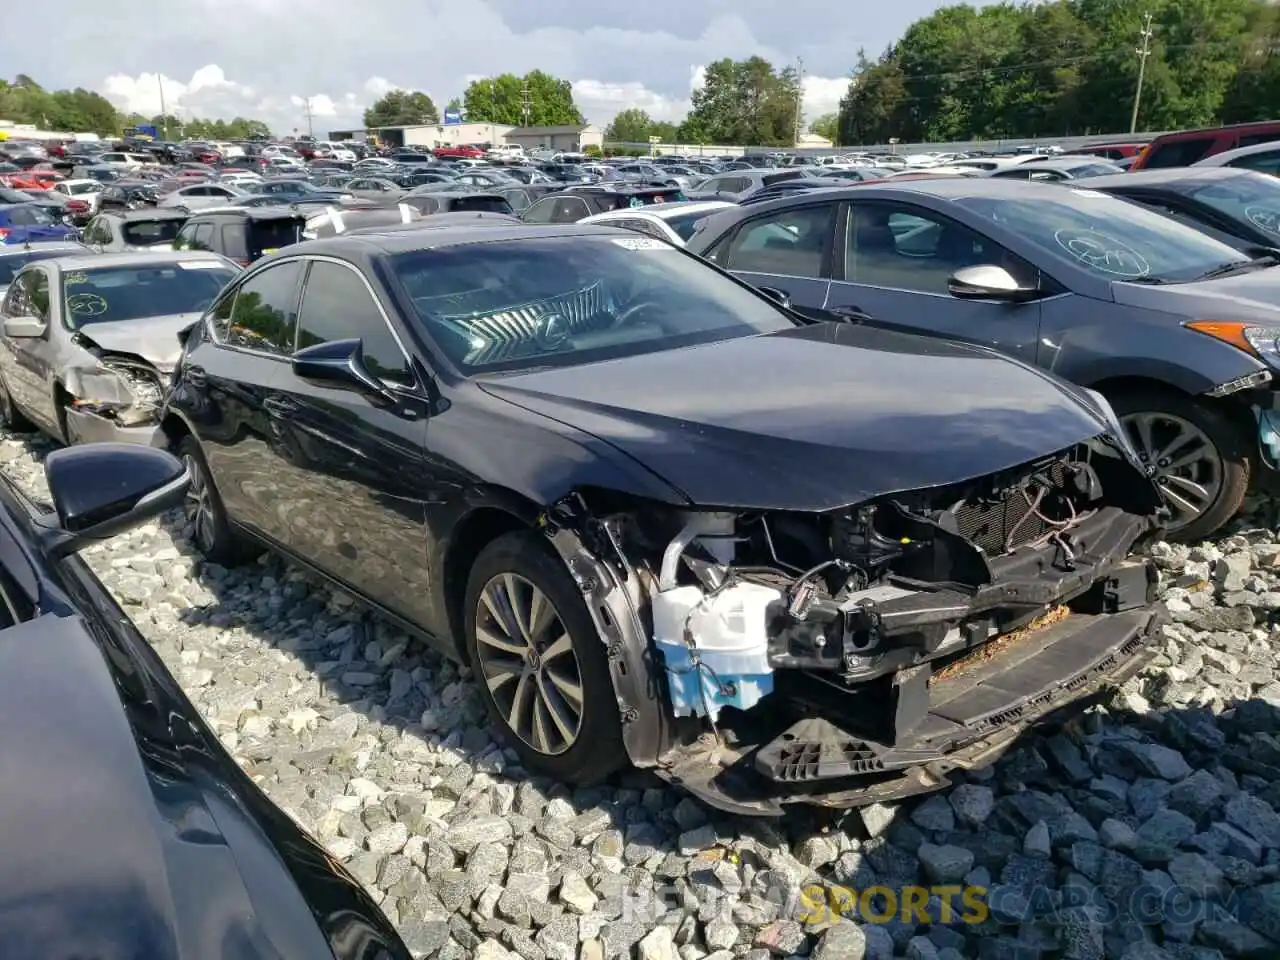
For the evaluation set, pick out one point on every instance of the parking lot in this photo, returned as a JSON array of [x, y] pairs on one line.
[[1145, 828]]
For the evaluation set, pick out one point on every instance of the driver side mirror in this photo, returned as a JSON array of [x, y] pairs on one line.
[[102, 489], [989, 282], [24, 328], [340, 363]]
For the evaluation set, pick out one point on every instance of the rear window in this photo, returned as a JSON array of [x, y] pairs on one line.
[[465, 204], [267, 236], [145, 233], [623, 200], [1179, 153]]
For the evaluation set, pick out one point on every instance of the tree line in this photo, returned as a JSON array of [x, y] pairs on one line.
[[1064, 67]]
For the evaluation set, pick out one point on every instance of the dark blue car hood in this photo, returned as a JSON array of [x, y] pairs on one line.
[[814, 418]]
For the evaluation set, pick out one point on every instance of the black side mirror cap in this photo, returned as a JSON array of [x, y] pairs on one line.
[[340, 363], [102, 489]]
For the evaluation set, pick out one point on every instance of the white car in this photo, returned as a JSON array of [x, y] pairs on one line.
[[126, 161], [505, 151], [201, 195], [671, 222]]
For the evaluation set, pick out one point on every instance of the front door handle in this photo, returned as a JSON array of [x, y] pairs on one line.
[[280, 406], [852, 314]]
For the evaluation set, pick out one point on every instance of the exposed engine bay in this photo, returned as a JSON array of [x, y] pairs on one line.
[[858, 655], [119, 388]]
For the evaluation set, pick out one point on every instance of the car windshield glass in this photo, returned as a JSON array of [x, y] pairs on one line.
[[10, 265], [1252, 198], [146, 233], [683, 223], [563, 301], [110, 294], [27, 215], [1108, 237]]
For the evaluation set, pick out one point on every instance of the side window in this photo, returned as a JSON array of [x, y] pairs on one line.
[[787, 243], [1179, 153], [517, 199], [38, 285], [265, 312], [1256, 138], [1266, 162], [337, 305], [906, 248], [541, 211], [195, 236], [569, 210], [95, 232], [220, 316]]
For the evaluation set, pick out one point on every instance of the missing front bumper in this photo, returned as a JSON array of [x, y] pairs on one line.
[[968, 718]]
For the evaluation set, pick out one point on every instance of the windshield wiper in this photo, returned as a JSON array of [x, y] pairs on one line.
[[1226, 269]]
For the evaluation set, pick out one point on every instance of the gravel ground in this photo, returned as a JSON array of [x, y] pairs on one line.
[[1145, 831]]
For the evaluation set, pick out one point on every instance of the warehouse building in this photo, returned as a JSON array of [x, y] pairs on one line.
[[575, 138]]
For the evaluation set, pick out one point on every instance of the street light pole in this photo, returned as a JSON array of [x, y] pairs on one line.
[[1143, 52], [164, 116]]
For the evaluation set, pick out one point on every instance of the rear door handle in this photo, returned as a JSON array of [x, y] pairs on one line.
[[853, 314], [280, 406]]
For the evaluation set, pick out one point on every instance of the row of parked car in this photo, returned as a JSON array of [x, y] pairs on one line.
[[744, 510]]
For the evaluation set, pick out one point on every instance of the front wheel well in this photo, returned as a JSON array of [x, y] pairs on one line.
[[479, 529], [174, 429], [1114, 385]]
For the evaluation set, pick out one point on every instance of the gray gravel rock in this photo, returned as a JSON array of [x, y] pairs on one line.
[[381, 748]]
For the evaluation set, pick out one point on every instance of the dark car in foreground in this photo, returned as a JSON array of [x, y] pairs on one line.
[[665, 520], [1239, 207], [1177, 329], [137, 835]]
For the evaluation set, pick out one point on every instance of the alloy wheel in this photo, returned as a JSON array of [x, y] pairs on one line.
[[528, 663], [199, 507], [1187, 466]]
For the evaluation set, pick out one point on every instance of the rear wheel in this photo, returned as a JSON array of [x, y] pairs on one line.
[[540, 662], [1201, 457]]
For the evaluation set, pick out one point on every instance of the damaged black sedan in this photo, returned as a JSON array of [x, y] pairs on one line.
[[665, 521]]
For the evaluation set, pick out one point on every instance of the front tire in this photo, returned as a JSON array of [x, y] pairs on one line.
[[204, 516], [10, 417], [1200, 455], [540, 662]]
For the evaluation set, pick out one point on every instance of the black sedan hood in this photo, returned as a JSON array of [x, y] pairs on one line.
[[814, 418]]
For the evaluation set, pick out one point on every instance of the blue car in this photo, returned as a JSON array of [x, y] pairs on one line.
[[28, 223]]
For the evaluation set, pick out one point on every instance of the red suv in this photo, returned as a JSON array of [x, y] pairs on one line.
[[1185, 147], [465, 152]]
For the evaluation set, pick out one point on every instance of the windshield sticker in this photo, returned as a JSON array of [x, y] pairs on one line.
[[86, 305], [643, 243], [268, 250], [72, 279], [200, 265], [1264, 218], [1090, 194], [1103, 253]]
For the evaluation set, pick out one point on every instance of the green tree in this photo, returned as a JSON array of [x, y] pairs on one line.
[[501, 99], [746, 102], [401, 108], [629, 126]]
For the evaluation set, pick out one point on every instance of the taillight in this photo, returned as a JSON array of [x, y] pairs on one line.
[[4, 235]]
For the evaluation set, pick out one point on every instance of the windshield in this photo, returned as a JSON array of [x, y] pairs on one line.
[[27, 215], [563, 301], [268, 236], [1253, 198], [111, 294], [145, 233], [1110, 238]]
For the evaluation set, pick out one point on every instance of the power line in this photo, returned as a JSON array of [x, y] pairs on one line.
[[1143, 52]]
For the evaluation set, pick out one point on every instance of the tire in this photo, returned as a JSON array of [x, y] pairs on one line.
[[517, 564], [210, 532], [1226, 442], [10, 417]]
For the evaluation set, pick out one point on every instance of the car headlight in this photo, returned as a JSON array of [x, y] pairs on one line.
[[1258, 340]]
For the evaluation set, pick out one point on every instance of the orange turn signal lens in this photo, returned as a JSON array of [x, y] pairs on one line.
[[1227, 331]]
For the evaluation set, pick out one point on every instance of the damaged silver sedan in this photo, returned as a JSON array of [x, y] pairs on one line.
[[88, 343]]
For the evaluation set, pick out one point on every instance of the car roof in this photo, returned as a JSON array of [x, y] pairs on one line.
[[155, 213], [425, 237], [664, 210], [137, 259], [21, 249], [280, 212], [1226, 156], [1169, 175], [1065, 163]]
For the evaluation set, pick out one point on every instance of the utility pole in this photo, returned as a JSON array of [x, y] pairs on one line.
[[799, 98], [164, 115], [310, 130], [526, 106], [1143, 52]]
